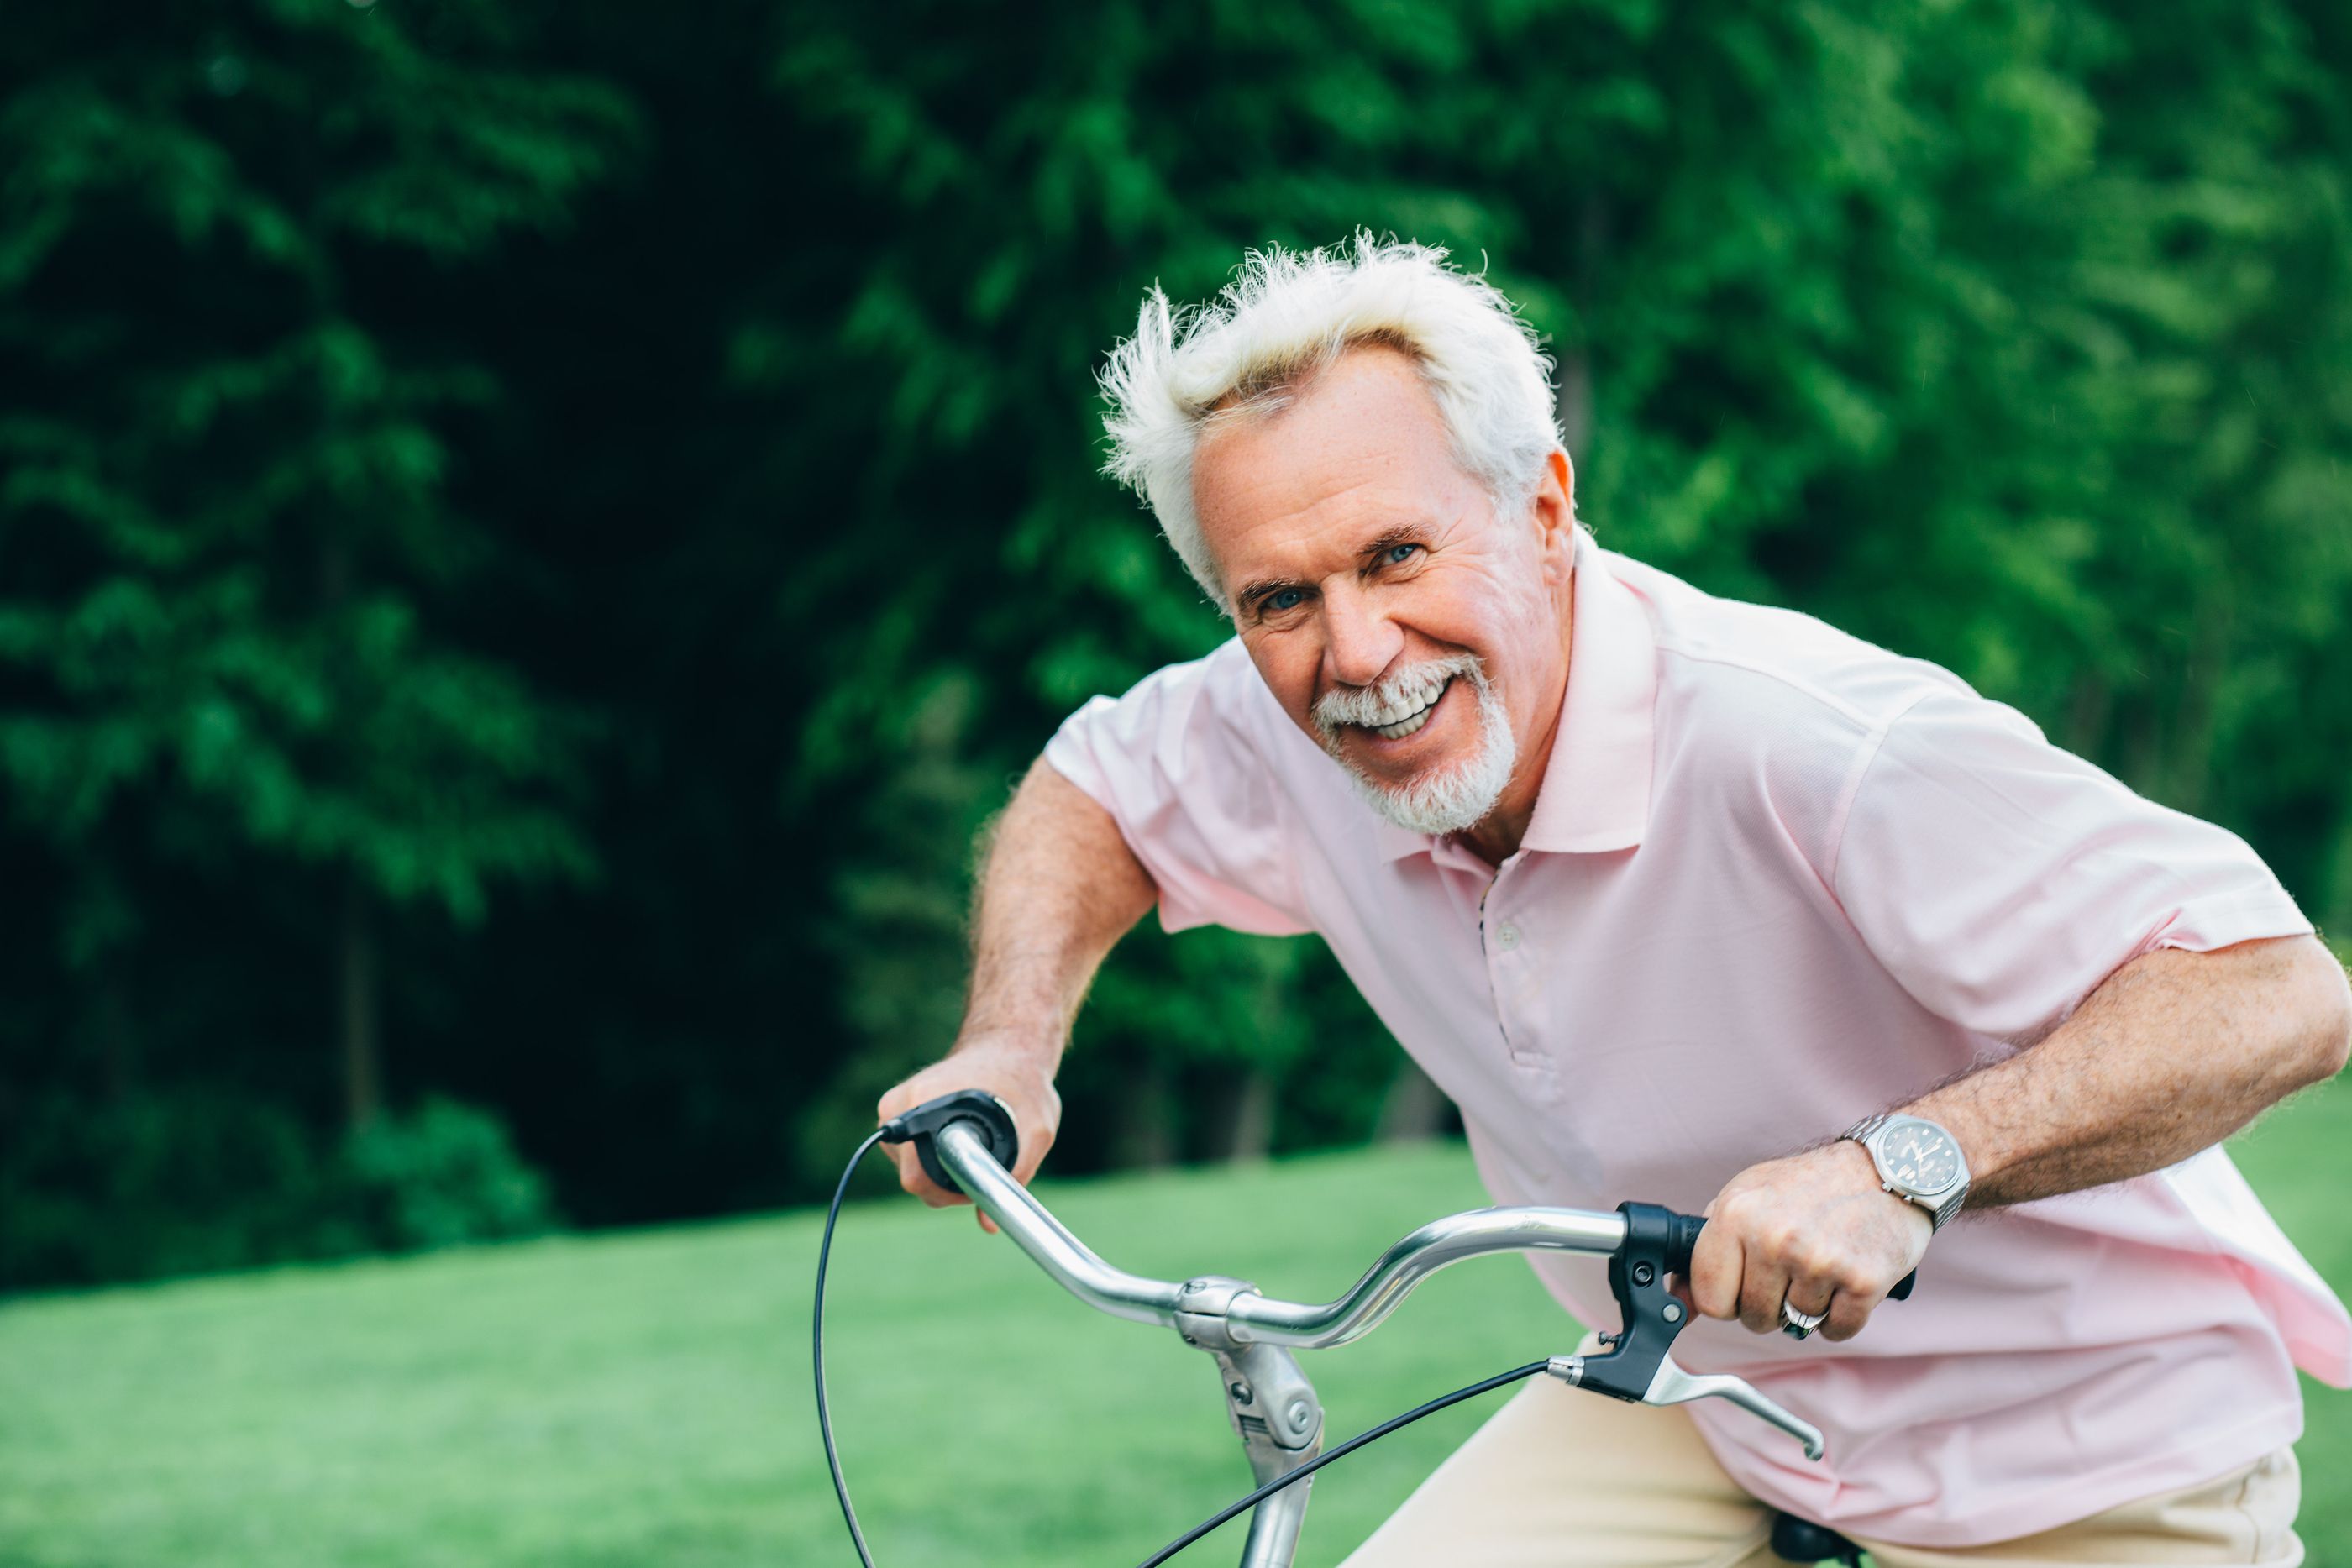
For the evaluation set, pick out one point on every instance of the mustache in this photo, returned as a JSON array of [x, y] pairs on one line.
[[1395, 698]]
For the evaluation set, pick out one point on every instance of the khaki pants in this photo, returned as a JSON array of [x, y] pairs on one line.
[[1561, 1479]]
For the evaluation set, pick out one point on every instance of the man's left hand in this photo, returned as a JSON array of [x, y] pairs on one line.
[[1816, 1230]]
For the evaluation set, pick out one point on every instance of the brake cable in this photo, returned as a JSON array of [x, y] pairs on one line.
[[816, 1337], [1243, 1505]]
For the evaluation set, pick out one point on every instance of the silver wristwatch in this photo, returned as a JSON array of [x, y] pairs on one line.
[[1916, 1160]]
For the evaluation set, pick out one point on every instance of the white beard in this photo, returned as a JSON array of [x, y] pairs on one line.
[[1451, 797]]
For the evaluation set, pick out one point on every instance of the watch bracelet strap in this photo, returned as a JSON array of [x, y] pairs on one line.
[[1860, 1132], [1938, 1214]]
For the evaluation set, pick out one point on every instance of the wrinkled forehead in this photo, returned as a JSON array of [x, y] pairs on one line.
[[1346, 454]]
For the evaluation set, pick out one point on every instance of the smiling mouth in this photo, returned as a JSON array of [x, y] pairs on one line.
[[1413, 720]]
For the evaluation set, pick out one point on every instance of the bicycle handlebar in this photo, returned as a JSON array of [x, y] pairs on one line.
[[1644, 1244], [966, 1141], [1254, 1318], [966, 1151]]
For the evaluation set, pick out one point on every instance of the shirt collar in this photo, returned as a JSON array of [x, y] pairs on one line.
[[1596, 788]]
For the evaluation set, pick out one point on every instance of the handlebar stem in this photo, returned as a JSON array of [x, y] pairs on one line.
[[1276, 1412]]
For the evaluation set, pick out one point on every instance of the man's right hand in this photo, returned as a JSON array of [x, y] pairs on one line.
[[1014, 1068]]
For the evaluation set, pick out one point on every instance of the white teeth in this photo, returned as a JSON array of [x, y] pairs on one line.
[[1425, 704], [1391, 710]]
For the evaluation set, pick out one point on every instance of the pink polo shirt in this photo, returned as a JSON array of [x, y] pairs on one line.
[[1778, 879]]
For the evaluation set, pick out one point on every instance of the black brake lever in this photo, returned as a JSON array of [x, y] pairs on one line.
[[983, 1111], [1658, 1242]]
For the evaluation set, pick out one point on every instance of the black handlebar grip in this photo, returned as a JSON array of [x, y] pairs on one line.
[[984, 1113], [1687, 1228]]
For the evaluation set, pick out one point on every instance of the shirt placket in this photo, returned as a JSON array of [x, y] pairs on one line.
[[1504, 941]]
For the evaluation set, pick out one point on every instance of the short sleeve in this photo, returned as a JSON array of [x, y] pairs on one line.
[[1175, 763], [2002, 879]]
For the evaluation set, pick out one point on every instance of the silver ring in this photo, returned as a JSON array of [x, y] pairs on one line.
[[1798, 1324]]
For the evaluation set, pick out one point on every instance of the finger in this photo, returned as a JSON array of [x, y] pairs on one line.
[[899, 1101], [918, 1183], [1849, 1312], [1035, 1145], [1811, 1293], [1717, 1265], [985, 1223], [1762, 1288]]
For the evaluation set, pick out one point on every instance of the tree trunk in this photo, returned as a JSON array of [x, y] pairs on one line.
[[2189, 768], [1572, 383], [1574, 396], [118, 1044], [1413, 1109], [1148, 1139], [1249, 1119], [2338, 911], [2088, 715], [363, 1062]]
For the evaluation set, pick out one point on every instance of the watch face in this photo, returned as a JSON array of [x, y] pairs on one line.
[[1920, 1157]]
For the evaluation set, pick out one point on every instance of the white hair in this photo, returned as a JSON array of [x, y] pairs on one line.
[[1285, 318]]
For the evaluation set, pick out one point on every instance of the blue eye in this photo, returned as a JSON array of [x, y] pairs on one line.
[[1397, 554], [1283, 599]]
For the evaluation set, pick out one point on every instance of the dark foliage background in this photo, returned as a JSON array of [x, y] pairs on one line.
[[531, 536]]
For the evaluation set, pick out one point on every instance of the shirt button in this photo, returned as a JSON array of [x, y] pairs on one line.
[[1507, 936]]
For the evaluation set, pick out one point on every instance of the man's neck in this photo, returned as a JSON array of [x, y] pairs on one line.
[[1496, 836]]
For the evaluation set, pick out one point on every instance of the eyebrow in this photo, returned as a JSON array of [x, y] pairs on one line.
[[1403, 534], [1385, 540], [1248, 597]]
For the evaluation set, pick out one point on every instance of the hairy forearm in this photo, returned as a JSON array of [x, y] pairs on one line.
[[1057, 890], [2172, 1053], [1058, 887]]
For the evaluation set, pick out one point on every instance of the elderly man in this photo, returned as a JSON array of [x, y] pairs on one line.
[[1682, 900]]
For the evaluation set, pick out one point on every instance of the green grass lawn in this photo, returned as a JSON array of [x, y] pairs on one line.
[[643, 1399]]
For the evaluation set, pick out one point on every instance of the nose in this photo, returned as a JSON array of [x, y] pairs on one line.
[[1360, 642]]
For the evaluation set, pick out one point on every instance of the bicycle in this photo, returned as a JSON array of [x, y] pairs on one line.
[[966, 1142]]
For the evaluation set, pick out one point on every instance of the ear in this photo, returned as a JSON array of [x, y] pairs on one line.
[[1552, 514]]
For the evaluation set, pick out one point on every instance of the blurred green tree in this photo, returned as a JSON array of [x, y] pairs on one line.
[[635, 468], [227, 548]]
